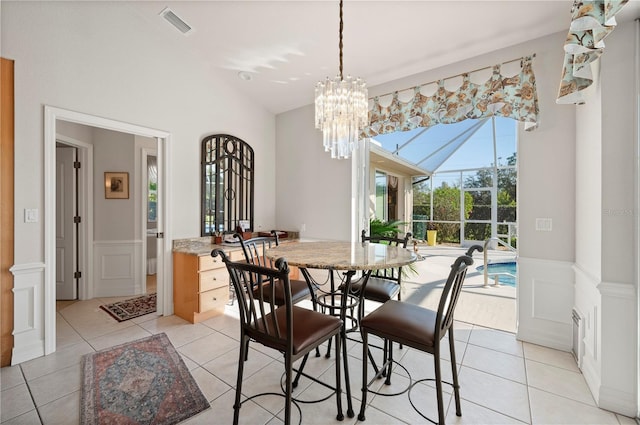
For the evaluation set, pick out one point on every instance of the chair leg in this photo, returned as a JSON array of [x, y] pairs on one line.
[[436, 359], [300, 369], [390, 356], [400, 299], [244, 344], [385, 351], [343, 341], [288, 364], [454, 372], [246, 353], [315, 308], [340, 415], [373, 362], [328, 355], [365, 357]]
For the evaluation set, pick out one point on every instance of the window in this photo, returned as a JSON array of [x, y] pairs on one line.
[[152, 189], [226, 184], [386, 196]]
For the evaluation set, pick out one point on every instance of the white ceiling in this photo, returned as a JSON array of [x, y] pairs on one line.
[[287, 46]]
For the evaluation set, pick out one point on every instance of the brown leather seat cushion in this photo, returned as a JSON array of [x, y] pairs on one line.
[[308, 327], [299, 291], [408, 324], [378, 289]]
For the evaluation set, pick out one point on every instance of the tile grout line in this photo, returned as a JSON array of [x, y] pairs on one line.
[[35, 407], [526, 379]]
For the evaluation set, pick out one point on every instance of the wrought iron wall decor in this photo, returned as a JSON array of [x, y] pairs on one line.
[[226, 184]]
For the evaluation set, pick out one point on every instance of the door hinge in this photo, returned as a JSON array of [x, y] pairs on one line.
[[77, 275], [77, 219], [160, 235], [76, 164]]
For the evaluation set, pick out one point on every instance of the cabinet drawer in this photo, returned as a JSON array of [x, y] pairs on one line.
[[236, 255], [207, 262], [212, 279], [214, 299]]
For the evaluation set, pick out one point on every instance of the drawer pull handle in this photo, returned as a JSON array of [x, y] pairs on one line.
[[214, 299]]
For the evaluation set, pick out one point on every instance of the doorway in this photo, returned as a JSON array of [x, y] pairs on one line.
[[67, 222], [54, 116]]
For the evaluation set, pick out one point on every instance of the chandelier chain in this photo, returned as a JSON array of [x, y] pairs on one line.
[[340, 43]]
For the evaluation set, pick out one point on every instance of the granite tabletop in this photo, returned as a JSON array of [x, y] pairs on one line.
[[202, 246], [343, 255]]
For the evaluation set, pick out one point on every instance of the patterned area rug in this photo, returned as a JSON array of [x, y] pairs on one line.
[[140, 382], [134, 307]]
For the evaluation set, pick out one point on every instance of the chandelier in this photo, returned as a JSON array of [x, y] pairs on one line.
[[341, 109]]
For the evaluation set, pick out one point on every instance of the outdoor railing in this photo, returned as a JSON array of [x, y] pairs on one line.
[[485, 253]]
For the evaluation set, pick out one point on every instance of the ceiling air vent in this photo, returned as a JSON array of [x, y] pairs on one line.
[[176, 21]]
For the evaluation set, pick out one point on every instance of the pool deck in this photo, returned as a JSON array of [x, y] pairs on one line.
[[492, 307]]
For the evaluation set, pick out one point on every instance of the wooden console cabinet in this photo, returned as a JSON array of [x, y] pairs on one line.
[[201, 282], [200, 285]]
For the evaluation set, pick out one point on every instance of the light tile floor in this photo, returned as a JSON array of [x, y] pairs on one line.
[[503, 381]]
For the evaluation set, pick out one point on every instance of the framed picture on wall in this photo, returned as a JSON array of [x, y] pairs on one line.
[[116, 185]]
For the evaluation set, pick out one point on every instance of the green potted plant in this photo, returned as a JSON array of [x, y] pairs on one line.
[[391, 229], [378, 227], [432, 233]]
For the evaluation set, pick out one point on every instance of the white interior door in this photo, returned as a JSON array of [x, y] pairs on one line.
[[66, 229]]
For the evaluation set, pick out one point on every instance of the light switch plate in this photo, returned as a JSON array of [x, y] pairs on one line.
[[544, 224], [30, 215]]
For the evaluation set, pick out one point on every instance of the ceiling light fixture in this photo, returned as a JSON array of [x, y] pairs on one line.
[[341, 109]]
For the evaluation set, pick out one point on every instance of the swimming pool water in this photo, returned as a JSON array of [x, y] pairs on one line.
[[507, 272]]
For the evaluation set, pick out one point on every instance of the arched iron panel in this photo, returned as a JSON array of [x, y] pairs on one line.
[[226, 183]]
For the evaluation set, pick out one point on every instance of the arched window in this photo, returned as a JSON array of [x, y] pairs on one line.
[[226, 184]]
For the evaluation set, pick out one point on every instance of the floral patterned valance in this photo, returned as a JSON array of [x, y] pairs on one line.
[[512, 97], [591, 22]]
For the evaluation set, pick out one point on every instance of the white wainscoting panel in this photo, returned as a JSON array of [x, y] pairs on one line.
[[618, 348], [587, 301], [117, 268], [28, 306], [545, 294], [610, 329]]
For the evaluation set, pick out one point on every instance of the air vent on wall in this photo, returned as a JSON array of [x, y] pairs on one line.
[[176, 21]]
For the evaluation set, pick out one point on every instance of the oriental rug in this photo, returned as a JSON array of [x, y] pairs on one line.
[[140, 382], [134, 307]]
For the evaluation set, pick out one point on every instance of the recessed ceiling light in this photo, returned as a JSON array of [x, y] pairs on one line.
[[245, 76]]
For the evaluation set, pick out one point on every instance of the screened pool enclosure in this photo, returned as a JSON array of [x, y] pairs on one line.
[[469, 180]]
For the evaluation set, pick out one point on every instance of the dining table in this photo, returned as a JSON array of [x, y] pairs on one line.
[[345, 259]]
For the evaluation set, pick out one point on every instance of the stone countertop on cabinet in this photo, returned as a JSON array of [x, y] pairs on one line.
[[203, 246]]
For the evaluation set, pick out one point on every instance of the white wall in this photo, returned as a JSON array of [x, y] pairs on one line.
[[114, 219], [81, 56], [91, 57], [313, 189], [546, 187], [605, 241], [75, 131]]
